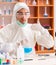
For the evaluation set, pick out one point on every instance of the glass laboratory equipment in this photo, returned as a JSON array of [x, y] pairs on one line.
[[45, 12], [4, 10], [28, 52], [20, 53], [9, 10], [34, 2], [47, 2], [27, 49]]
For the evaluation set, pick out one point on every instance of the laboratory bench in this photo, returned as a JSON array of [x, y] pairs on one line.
[[39, 60], [50, 60]]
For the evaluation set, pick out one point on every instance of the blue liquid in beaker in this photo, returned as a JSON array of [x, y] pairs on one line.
[[27, 50]]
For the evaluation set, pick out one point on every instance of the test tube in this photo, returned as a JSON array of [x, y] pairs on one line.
[[0, 61]]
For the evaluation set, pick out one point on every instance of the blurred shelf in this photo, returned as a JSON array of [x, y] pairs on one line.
[[44, 51], [6, 15], [45, 17], [8, 2], [46, 5]]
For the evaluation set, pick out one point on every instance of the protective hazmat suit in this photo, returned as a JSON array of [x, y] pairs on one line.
[[13, 34]]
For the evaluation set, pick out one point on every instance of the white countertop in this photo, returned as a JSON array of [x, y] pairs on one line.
[[48, 60]]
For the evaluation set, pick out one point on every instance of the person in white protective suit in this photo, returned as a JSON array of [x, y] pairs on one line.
[[21, 31]]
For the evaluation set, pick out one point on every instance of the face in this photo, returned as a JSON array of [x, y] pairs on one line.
[[22, 15]]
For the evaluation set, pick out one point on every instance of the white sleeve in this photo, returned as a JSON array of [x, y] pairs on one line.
[[7, 47], [43, 37], [5, 39]]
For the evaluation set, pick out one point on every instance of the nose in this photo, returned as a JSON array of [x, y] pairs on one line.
[[24, 16]]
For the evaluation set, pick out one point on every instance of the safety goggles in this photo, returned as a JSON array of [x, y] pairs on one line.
[[21, 14]]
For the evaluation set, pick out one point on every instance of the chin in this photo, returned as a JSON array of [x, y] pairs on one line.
[[23, 22]]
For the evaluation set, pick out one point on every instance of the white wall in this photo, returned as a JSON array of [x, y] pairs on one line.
[[55, 14]]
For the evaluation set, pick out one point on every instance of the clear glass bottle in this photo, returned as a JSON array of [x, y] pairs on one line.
[[34, 2], [20, 53], [47, 2], [9, 10], [4, 10]]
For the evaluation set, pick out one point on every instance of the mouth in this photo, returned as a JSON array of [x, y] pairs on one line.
[[23, 21]]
